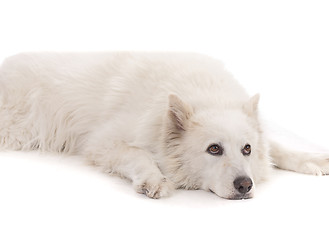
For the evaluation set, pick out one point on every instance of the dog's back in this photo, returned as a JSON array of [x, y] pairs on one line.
[[51, 101]]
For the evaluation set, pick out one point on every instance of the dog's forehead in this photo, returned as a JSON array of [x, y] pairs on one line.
[[228, 126], [230, 120]]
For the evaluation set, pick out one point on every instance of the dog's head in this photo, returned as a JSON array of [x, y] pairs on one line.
[[220, 150]]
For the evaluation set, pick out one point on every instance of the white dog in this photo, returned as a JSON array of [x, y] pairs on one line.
[[162, 120]]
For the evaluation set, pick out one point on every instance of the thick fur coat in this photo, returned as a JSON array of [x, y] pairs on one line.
[[162, 120]]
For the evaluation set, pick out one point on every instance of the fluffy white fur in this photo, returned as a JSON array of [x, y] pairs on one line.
[[148, 117]]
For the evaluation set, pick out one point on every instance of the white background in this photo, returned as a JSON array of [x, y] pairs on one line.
[[277, 48]]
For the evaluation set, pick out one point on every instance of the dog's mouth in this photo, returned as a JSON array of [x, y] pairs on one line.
[[210, 190], [235, 196], [240, 197]]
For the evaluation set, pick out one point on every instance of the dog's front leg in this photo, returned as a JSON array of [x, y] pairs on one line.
[[133, 163], [298, 161]]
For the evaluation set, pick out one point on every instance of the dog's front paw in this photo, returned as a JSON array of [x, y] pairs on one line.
[[318, 164], [155, 188]]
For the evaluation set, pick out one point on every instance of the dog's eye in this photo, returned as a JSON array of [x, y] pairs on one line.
[[246, 150], [215, 149]]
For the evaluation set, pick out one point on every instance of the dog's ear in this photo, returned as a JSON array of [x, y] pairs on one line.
[[179, 112], [251, 107]]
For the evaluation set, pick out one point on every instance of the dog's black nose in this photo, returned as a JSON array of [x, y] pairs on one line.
[[243, 184]]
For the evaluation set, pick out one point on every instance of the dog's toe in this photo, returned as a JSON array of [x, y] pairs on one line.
[[317, 165], [155, 188]]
